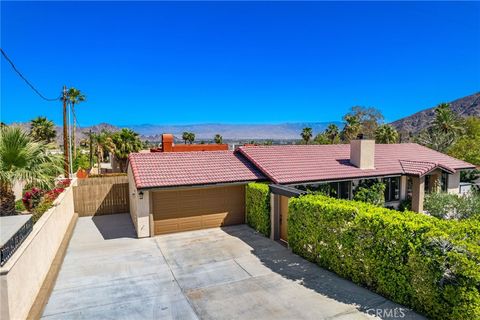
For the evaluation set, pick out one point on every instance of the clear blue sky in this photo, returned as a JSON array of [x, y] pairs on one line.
[[177, 63]]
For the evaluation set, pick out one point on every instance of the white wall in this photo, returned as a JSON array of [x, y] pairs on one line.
[[139, 208], [22, 276], [454, 183]]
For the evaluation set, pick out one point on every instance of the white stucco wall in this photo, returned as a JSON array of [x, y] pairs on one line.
[[139, 208], [22, 276], [454, 182]]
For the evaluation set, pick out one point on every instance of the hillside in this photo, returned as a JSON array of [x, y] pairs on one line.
[[464, 107]]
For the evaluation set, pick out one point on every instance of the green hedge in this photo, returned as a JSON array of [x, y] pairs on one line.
[[258, 207], [430, 265]]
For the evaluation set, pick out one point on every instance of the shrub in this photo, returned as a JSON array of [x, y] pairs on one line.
[[32, 198], [451, 206], [45, 204], [19, 206], [64, 183], [374, 194], [428, 264], [258, 207]]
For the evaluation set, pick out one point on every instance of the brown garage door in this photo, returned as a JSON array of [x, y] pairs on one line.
[[197, 208]]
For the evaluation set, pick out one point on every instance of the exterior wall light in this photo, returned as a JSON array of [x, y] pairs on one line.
[[140, 195]]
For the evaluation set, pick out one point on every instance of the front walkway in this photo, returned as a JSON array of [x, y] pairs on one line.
[[229, 273]]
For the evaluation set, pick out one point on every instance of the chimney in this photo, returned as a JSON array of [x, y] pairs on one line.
[[362, 153], [167, 142]]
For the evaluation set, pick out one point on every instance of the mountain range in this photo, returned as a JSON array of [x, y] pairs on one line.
[[466, 106]]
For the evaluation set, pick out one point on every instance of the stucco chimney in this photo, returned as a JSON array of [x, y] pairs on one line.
[[167, 142], [362, 153]]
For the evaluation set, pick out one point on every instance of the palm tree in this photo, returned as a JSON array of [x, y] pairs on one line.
[[332, 132], [191, 137], [103, 143], [22, 159], [386, 134], [185, 136], [126, 141], [218, 138], [306, 134], [75, 96], [352, 127], [446, 121], [42, 129]]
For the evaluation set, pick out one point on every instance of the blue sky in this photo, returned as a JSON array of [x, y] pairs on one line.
[[250, 62]]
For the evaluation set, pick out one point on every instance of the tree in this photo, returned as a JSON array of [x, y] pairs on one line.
[[369, 119], [125, 142], [42, 129], [332, 132], [322, 138], [467, 147], [22, 159], [191, 137], [218, 138], [103, 143], [443, 132], [386, 134], [306, 134], [185, 137], [370, 191], [352, 128], [75, 96]]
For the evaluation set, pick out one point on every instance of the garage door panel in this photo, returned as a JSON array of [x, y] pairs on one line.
[[193, 209]]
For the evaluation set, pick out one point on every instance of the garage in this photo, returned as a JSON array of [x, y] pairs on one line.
[[197, 208]]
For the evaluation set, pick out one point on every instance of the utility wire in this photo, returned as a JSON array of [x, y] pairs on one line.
[[25, 79]]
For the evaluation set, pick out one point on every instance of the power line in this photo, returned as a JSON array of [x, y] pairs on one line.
[[25, 79]]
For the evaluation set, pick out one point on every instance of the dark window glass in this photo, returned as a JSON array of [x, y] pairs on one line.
[[392, 189], [444, 182]]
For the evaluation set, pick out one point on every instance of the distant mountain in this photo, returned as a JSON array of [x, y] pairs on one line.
[[235, 132], [464, 107], [232, 131]]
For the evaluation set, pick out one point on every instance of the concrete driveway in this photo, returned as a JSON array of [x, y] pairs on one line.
[[228, 273]]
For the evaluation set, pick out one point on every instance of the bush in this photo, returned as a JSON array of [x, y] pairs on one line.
[[258, 207], [45, 204], [32, 198], [428, 264], [374, 193], [64, 183], [451, 206], [19, 206]]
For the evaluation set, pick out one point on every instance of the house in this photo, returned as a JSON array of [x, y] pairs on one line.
[[178, 191], [168, 145]]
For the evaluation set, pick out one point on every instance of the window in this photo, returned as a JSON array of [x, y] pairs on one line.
[[444, 182], [339, 190], [392, 189]]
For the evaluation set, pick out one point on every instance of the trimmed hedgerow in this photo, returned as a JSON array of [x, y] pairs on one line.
[[430, 265], [258, 207]]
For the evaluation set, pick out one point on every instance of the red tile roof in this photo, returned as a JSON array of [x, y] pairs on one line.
[[301, 163], [160, 169]]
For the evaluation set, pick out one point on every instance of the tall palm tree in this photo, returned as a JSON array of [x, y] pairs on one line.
[[103, 143], [386, 134], [191, 137], [126, 141], [306, 134], [446, 121], [218, 138], [42, 129], [22, 159], [185, 136], [332, 132], [352, 127], [75, 96]]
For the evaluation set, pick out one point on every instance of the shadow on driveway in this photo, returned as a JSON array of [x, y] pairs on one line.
[[115, 226], [291, 266]]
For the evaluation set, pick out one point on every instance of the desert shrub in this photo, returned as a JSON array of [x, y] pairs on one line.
[[452, 206], [430, 265], [258, 207], [374, 193], [31, 198]]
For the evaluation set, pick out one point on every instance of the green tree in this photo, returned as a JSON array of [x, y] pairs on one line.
[[369, 119], [22, 159], [186, 137], [191, 137], [467, 147], [352, 128], [332, 132], [370, 192], [102, 143], [218, 138], [306, 134], [322, 138], [385, 133], [75, 97], [446, 121], [125, 142], [42, 129]]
